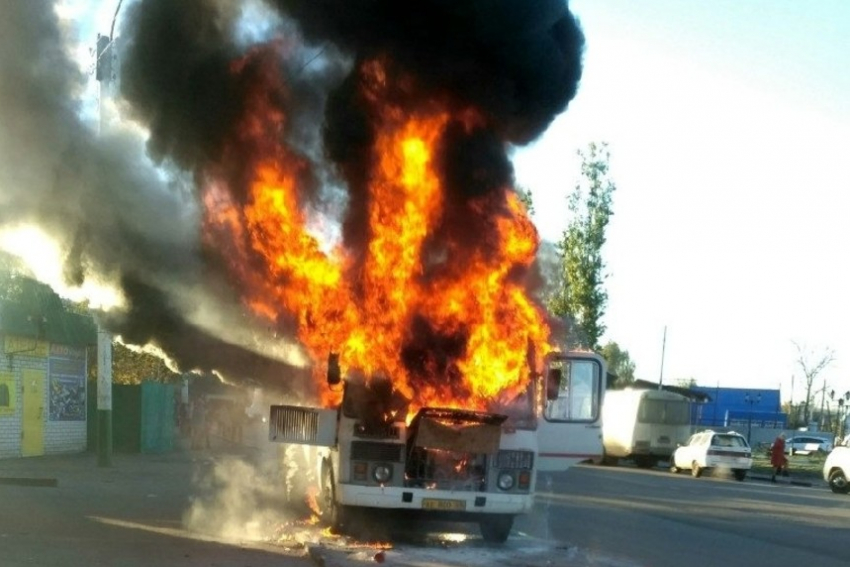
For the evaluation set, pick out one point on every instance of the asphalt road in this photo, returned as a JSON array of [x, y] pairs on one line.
[[208, 509], [67, 512], [630, 516]]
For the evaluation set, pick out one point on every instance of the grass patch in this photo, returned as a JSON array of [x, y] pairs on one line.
[[800, 466]]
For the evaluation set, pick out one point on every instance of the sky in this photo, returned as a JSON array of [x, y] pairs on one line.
[[727, 123], [728, 129]]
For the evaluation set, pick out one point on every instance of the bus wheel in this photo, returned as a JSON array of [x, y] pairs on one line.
[[609, 461], [740, 474], [497, 528], [331, 512]]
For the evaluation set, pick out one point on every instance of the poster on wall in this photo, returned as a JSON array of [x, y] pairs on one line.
[[67, 374], [8, 394]]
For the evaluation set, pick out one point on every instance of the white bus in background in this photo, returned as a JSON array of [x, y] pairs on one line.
[[644, 425]]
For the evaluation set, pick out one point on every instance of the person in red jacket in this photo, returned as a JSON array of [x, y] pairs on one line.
[[778, 460]]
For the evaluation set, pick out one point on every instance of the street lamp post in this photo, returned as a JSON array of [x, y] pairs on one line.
[[750, 401]]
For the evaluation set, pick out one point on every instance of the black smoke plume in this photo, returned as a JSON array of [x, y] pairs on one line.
[[130, 213], [517, 62], [116, 217]]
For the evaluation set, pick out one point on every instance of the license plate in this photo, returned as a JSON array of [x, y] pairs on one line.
[[439, 504]]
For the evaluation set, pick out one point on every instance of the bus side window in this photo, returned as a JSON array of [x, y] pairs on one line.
[[557, 404], [577, 394], [582, 391]]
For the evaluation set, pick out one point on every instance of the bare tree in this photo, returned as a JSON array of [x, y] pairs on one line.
[[812, 364]]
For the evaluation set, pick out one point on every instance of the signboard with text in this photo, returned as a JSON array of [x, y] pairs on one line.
[[25, 346]]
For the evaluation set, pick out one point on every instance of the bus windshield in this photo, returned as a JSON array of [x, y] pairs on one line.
[[519, 407]]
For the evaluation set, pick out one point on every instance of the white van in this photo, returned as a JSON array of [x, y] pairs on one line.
[[644, 425]]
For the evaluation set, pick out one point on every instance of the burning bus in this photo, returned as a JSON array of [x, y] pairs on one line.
[[363, 202], [447, 463]]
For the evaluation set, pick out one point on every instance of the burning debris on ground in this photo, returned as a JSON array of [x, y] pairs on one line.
[[337, 178]]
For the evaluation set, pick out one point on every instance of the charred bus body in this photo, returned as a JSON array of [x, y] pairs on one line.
[[443, 464]]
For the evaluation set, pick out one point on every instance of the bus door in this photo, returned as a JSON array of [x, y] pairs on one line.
[[570, 428]]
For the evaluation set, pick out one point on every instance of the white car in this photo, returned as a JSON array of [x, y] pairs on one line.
[[807, 444], [714, 450], [836, 470]]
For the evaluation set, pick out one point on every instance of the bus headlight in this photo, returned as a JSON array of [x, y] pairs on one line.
[[382, 473], [505, 481]]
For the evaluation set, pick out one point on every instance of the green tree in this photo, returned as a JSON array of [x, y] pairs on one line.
[[580, 297], [133, 366], [620, 364], [129, 366], [12, 277], [527, 199]]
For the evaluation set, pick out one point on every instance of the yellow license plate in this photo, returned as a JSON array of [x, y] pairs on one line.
[[439, 504]]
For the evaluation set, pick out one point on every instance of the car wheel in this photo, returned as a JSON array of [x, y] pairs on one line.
[[696, 470], [673, 468], [740, 474], [838, 482]]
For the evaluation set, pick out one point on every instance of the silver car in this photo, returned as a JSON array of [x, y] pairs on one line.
[[807, 444]]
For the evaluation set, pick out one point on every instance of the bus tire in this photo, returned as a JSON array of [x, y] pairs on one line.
[[645, 461], [609, 461], [330, 511], [497, 528]]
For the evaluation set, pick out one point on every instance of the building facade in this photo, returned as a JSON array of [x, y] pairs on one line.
[[739, 408], [43, 370]]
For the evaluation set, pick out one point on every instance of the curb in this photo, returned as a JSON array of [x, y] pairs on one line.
[[782, 481]]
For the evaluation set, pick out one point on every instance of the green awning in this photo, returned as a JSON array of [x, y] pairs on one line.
[[46, 318]]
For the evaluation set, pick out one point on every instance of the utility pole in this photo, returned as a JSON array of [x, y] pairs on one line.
[[751, 401], [104, 397], [663, 347], [103, 74], [791, 410]]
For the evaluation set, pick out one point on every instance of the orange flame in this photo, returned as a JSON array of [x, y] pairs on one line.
[[364, 309], [313, 504]]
